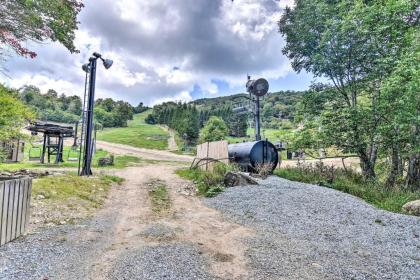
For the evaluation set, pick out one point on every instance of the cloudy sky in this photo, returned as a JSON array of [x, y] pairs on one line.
[[166, 50]]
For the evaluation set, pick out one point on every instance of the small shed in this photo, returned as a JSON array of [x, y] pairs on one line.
[[14, 150]]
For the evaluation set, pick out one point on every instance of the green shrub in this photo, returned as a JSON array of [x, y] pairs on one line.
[[208, 183]]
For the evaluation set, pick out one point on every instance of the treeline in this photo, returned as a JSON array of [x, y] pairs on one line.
[[183, 118], [51, 106], [111, 113], [187, 119]]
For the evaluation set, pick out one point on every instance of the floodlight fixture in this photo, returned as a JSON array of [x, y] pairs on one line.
[[85, 67], [257, 87], [107, 63]]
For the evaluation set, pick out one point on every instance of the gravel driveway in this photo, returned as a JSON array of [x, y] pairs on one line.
[[311, 232], [277, 230]]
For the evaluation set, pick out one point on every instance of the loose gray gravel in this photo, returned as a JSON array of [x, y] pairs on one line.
[[174, 261], [312, 232], [59, 252], [159, 232]]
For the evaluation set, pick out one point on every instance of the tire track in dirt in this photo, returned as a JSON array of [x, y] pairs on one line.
[[192, 222]]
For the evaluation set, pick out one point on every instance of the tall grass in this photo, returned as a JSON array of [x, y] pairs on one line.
[[373, 192]]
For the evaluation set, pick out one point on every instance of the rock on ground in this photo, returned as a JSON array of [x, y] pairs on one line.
[[232, 179], [412, 207]]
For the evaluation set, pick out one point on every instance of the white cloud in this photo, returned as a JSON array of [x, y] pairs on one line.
[[163, 48]]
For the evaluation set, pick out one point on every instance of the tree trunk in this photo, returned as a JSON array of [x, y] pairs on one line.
[[412, 180], [395, 168], [367, 166]]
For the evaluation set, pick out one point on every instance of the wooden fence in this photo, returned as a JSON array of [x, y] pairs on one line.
[[15, 199], [215, 150]]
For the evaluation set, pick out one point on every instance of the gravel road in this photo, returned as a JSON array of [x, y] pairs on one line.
[[311, 232], [277, 230]]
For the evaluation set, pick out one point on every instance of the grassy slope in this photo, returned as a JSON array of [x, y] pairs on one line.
[[273, 135], [137, 134]]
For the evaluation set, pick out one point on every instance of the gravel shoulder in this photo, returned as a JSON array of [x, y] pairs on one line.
[[311, 232]]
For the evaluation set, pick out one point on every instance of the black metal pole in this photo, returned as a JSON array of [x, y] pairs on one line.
[[257, 119], [43, 148], [86, 169], [75, 135]]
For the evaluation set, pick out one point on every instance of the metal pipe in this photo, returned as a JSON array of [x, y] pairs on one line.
[[257, 119]]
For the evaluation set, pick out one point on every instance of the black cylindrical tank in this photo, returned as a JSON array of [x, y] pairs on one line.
[[248, 154]]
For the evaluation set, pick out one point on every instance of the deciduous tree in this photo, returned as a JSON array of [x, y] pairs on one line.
[[37, 20]]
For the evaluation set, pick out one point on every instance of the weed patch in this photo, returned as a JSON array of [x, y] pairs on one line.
[[159, 197]]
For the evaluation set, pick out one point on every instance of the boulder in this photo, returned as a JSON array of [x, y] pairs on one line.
[[105, 161], [412, 207], [238, 179]]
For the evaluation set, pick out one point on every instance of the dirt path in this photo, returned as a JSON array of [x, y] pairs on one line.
[[188, 219], [172, 146], [127, 240], [120, 149]]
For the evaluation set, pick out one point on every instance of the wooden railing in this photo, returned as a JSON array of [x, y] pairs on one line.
[[15, 199]]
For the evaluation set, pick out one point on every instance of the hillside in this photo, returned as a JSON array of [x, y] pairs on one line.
[[277, 108], [137, 134]]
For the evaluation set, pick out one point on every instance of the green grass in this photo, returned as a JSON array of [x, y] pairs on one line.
[[87, 191], [137, 134], [273, 135], [119, 162], [159, 198], [372, 192]]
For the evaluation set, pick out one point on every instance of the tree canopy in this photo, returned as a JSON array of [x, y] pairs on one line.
[[214, 130], [13, 114], [359, 47], [37, 20]]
